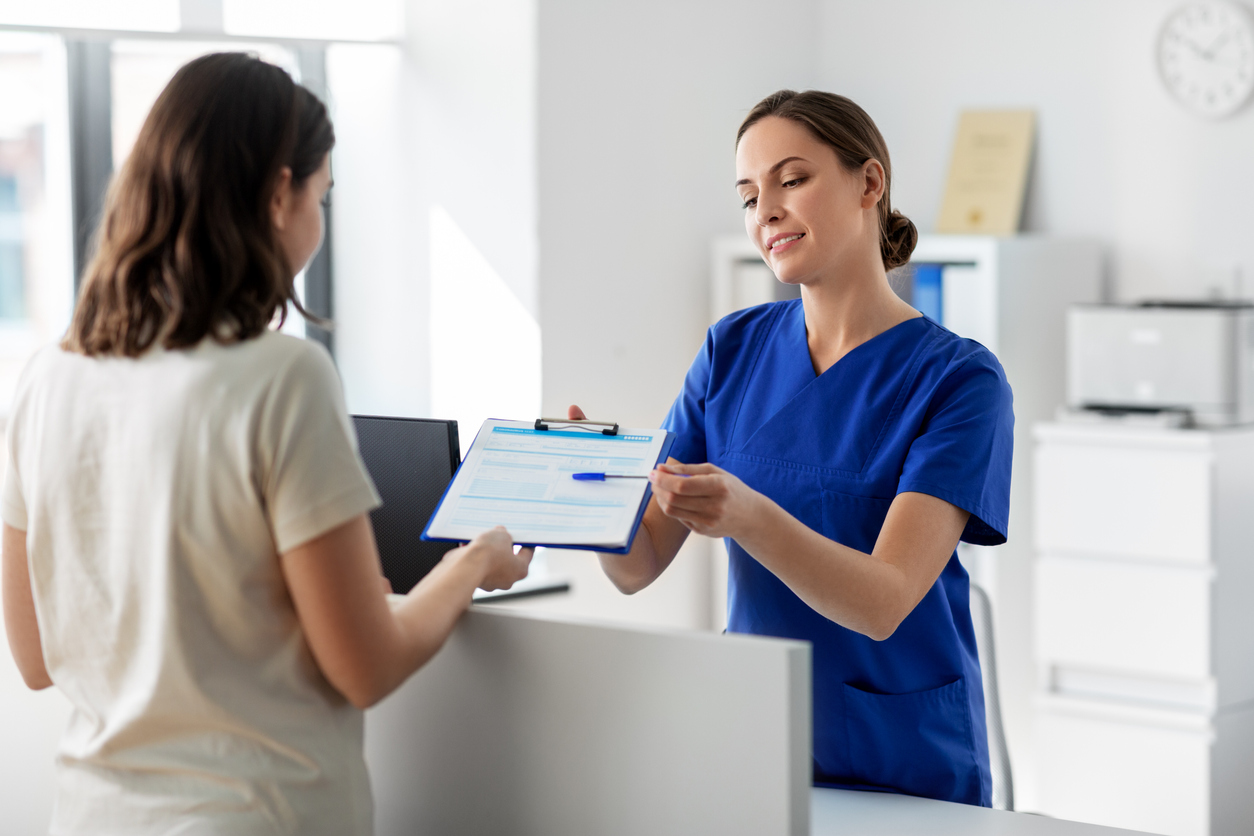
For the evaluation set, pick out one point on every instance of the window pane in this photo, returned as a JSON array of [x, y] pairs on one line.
[[12, 270], [139, 15], [36, 278], [360, 20]]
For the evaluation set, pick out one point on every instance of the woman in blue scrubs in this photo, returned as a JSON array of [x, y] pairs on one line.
[[843, 444]]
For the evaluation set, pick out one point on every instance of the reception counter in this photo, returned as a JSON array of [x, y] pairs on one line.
[[841, 812], [527, 725]]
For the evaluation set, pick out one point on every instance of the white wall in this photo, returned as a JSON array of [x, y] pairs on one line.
[[473, 116], [638, 109], [1116, 160], [448, 121], [510, 115], [380, 306]]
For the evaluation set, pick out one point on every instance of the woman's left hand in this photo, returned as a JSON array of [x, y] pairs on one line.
[[705, 498]]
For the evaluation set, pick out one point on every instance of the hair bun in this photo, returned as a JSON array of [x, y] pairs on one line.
[[898, 241]]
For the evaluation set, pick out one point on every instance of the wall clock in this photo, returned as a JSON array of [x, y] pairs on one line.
[[1206, 56]]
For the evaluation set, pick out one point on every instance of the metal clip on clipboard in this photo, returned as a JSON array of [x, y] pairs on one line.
[[609, 427]]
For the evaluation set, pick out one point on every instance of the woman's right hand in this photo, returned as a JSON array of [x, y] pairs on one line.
[[502, 566], [364, 646]]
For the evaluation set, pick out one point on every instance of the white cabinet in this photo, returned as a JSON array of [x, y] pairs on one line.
[[1145, 626], [1136, 501], [1127, 768], [1124, 617]]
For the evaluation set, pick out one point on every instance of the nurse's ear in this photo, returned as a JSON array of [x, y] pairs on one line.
[[872, 175]]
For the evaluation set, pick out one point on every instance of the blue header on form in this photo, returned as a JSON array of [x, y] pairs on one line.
[[569, 434]]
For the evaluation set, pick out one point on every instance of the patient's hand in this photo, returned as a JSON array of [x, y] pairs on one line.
[[503, 566]]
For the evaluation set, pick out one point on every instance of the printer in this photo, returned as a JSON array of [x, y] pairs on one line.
[[1194, 358]]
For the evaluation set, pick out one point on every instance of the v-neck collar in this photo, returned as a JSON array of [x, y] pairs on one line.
[[783, 384], [797, 332]]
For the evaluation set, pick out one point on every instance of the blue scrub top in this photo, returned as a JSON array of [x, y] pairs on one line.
[[915, 408]]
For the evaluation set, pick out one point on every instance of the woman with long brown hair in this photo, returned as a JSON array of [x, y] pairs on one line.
[[186, 550], [843, 444]]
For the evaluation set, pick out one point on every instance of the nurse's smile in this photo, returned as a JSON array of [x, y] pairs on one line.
[[784, 241]]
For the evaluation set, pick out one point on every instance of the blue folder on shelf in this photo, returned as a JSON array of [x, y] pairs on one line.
[[927, 293], [521, 475]]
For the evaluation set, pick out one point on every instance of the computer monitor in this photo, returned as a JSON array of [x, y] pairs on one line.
[[411, 461]]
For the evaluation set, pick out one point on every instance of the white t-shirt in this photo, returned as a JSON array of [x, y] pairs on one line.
[[156, 495]]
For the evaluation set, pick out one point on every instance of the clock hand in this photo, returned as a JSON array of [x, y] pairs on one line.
[[1197, 49], [1209, 54]]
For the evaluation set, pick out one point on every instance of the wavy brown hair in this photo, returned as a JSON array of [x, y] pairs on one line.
[[186, 246], [851, 133]]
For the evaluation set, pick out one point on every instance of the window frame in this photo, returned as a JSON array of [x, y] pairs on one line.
[[89, 83]]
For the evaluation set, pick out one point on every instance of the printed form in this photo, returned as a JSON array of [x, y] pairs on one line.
[[523, 478]]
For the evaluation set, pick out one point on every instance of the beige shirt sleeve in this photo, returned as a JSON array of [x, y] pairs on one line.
[[13, 507], [313, 478], [12, 503]]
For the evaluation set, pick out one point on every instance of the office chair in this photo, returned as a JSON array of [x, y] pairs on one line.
[[998, 754]]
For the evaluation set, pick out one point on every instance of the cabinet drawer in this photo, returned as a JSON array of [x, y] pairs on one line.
[[1123, 770], [1138, 618], [1125, 501]]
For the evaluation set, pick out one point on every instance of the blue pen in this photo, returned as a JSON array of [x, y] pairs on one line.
[[601, 477]]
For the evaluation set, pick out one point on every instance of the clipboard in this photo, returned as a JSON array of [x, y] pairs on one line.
[[520, 474]]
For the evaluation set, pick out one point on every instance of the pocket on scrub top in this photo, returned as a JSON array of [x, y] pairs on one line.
[[919, 743], [855, 521]]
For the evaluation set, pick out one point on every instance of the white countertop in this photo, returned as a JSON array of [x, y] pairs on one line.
[[835, 812]]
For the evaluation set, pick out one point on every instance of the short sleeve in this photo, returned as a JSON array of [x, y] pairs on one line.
[[12, 502], [314, 477], [13, 507], [687, 416], [963, 453]]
